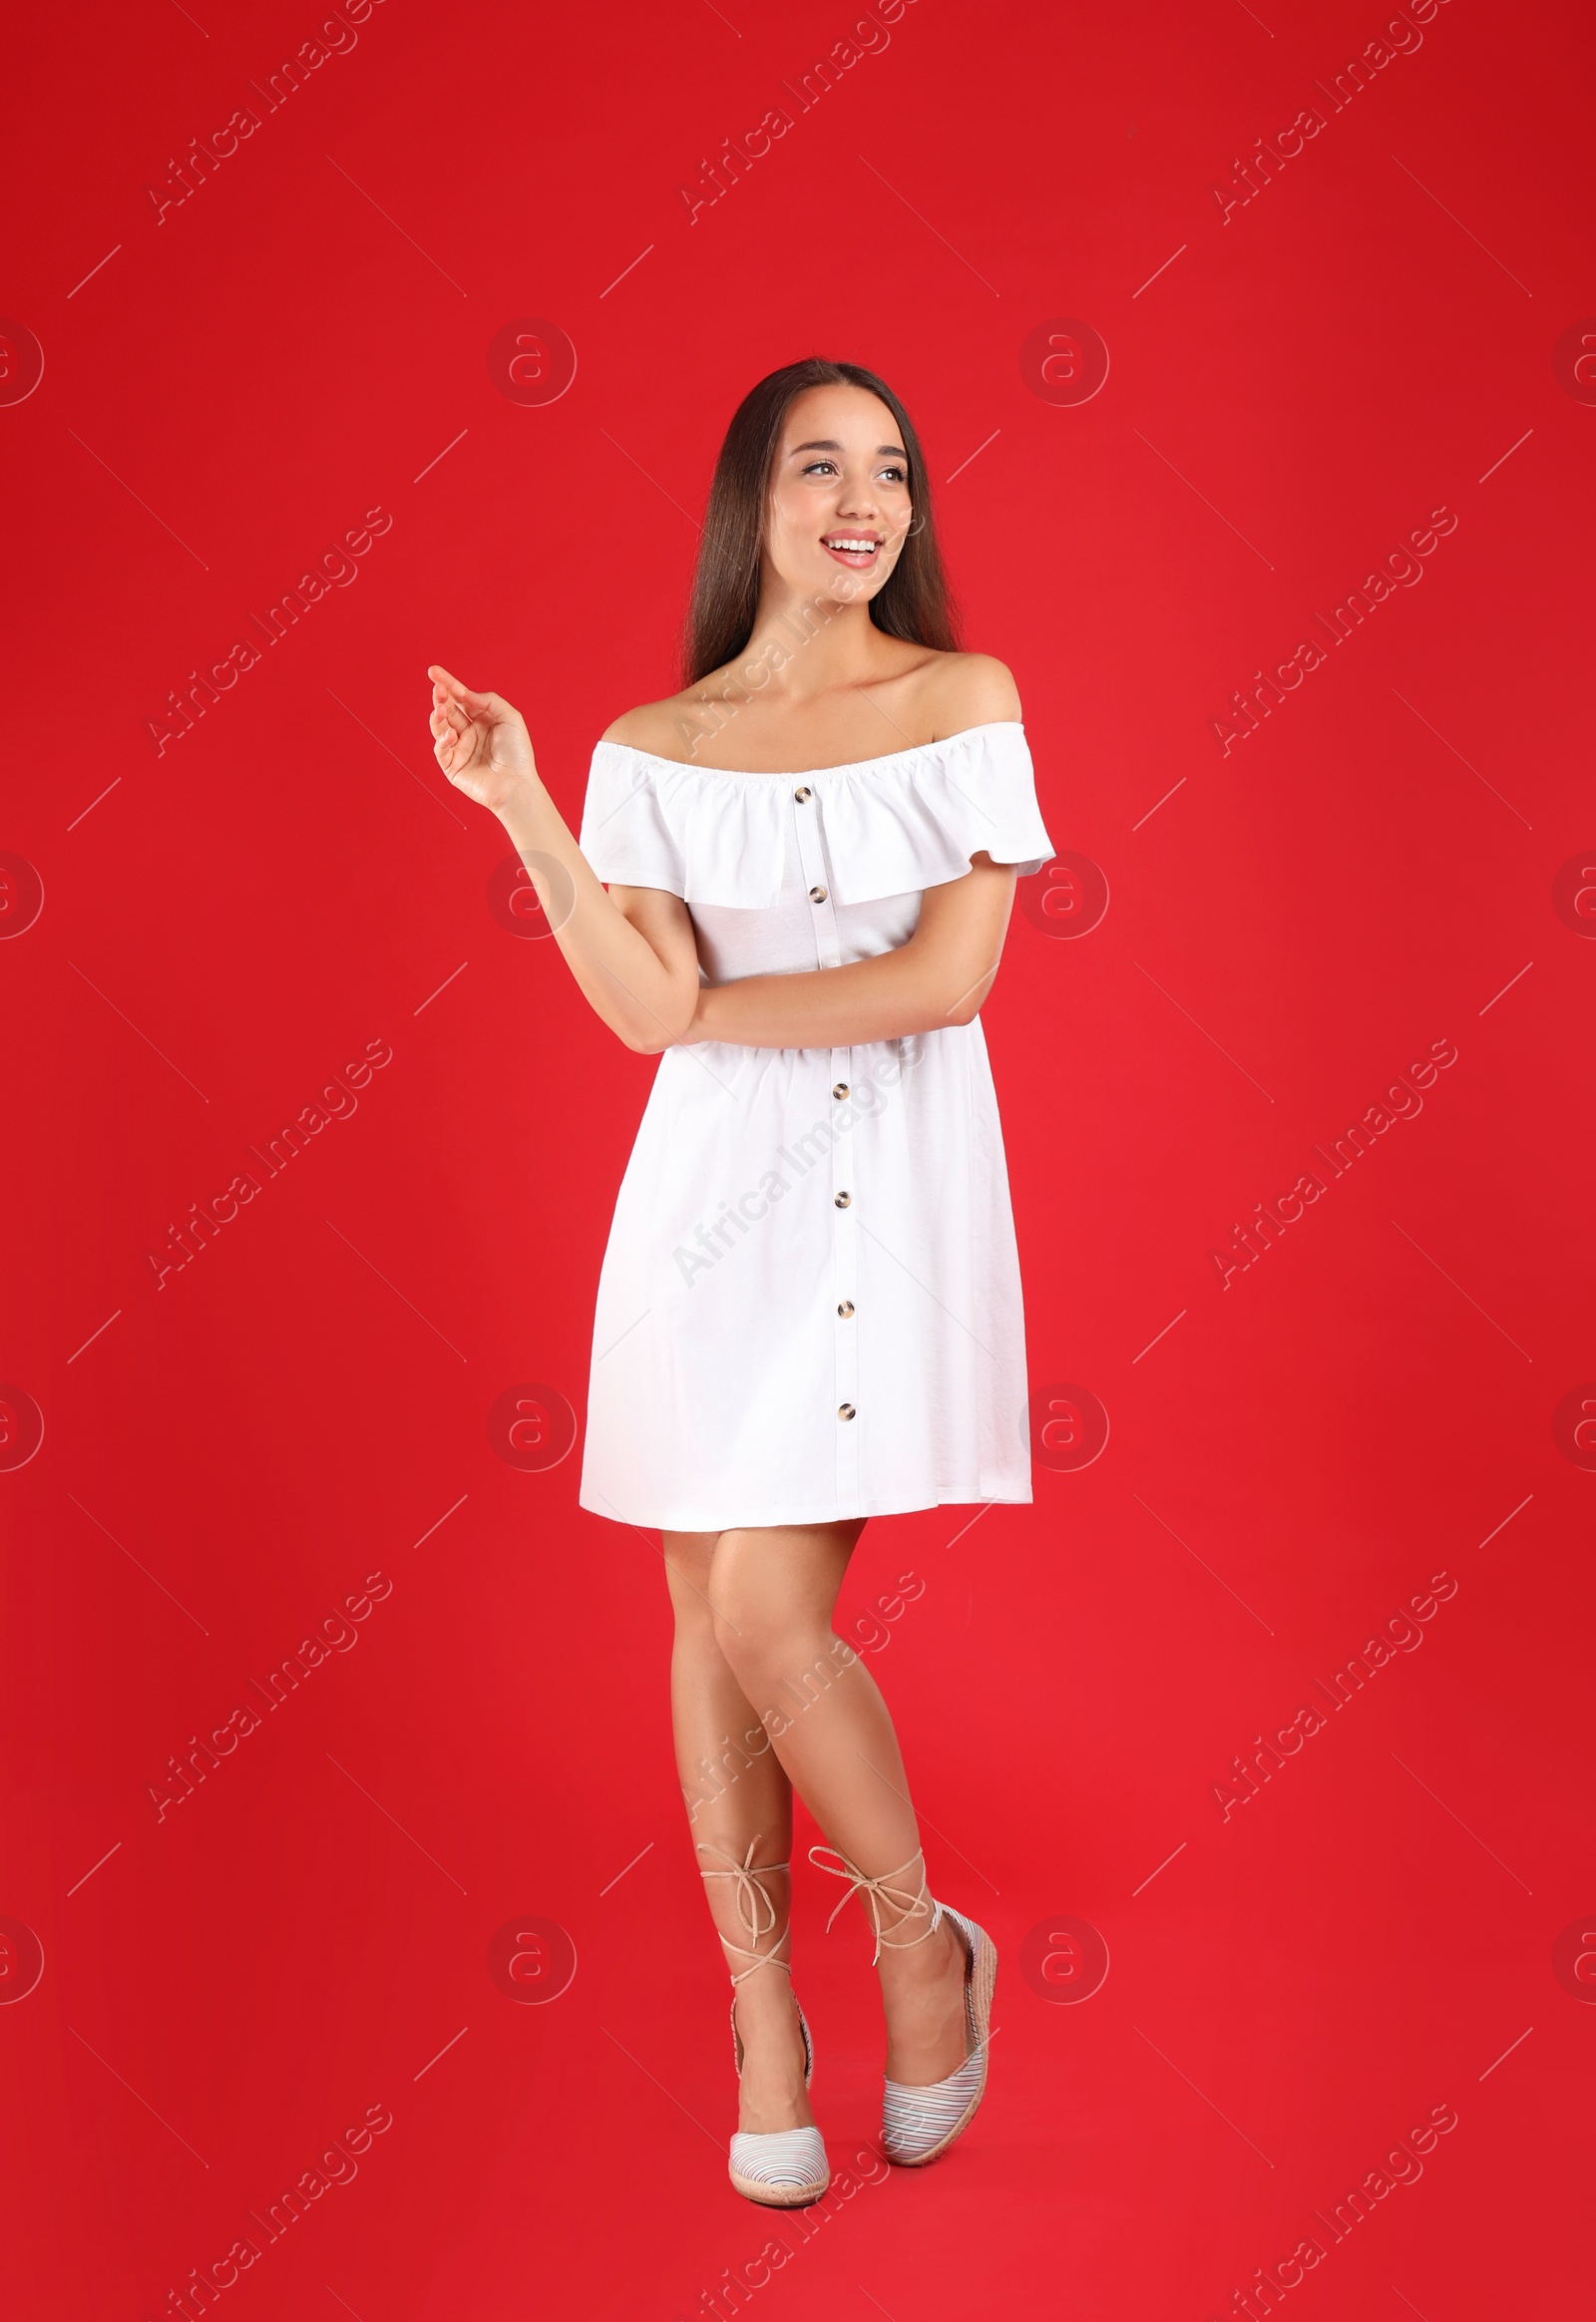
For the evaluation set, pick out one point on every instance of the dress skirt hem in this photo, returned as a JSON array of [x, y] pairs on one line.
[[767, 1519]]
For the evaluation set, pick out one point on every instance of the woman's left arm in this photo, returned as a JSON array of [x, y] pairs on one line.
[[939, 977]]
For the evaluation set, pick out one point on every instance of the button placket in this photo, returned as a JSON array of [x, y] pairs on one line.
[[844, 1175]]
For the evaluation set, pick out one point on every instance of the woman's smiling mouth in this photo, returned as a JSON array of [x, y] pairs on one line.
[[857, 550]]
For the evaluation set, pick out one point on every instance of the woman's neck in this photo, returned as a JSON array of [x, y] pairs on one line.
[[804, 646]]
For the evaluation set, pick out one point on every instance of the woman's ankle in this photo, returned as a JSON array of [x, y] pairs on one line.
[[916, 1966], [774, 2062], [764, 2005]]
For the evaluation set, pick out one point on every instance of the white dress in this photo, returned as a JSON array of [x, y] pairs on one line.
[[810, 1305]]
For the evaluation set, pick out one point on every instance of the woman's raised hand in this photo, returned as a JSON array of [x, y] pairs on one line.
[[481, 743]]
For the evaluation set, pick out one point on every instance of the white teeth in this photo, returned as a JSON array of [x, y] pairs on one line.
[[854, 548]]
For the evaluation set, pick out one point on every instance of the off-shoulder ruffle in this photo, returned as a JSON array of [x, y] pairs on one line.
[[891, 825]]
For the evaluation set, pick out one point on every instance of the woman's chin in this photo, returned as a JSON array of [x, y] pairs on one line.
[[849, 587]]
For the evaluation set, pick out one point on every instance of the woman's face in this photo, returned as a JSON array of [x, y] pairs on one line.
[[840, 509]]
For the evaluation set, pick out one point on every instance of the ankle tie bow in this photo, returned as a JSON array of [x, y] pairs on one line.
[[877, 1891], [748, 1897]]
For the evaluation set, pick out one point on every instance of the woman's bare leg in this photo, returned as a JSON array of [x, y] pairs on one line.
[[736, 1791], [773, 1591]]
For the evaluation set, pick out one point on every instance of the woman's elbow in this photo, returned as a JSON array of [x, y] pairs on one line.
[[654, 1041], [970, 1001], [654, 1037]]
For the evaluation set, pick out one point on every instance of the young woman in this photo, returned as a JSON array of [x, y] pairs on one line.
[[809, 1311]]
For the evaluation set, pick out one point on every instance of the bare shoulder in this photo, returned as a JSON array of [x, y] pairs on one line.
[[970, 690], [656, 727]]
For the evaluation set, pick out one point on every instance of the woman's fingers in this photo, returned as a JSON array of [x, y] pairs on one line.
[[464, 724], [472, 704], [485, 711], [455, 737]]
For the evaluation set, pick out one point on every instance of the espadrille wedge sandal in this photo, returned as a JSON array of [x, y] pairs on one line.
[[918, 2124], [783, 2168]]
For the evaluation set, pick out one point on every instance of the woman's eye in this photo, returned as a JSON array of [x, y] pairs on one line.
[[892, 475]]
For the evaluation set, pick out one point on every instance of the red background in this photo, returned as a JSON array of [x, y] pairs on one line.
[[228, 920]]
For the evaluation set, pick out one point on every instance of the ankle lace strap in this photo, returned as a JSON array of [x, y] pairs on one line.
[[877, 1891], [749, 1898]]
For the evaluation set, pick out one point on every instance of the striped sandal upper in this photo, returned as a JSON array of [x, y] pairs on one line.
[[785, 2169]]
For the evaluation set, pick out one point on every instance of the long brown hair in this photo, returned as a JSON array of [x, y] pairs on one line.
[[914, 602]]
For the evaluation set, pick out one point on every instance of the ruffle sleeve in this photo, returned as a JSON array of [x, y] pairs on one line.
[[890, 826], [919, 818], [624, 834]]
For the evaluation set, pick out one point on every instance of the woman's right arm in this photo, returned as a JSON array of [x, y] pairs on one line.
[[631, 951]]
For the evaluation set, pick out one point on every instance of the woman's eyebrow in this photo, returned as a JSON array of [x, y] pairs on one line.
[[883, 451]]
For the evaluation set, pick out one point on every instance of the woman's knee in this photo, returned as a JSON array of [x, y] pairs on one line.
[[774, 1669], [772, 1592], [768, 1636]]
